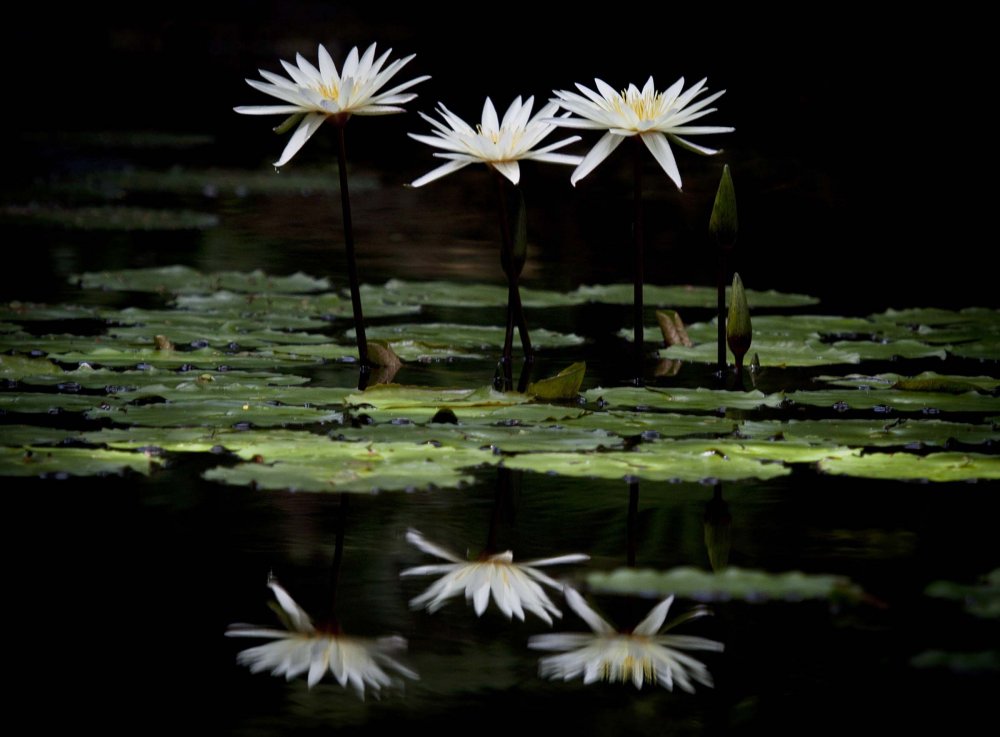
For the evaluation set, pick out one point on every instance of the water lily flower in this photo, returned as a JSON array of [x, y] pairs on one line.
[[640, 656], [515, 586], [313, 95], [497, 143], [656, 117], [304, 648]]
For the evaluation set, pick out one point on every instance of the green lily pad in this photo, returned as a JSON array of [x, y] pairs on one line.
[[981, 349], [872, 433], [354, 467], [899, 401], [688, 463], [71, 461], [928, 381], [185, 280], [124, 383], [452, 294], [202, 358], [395, 396], [660, 424], [171, 439], [680, 398], [18, 368], [460, 338], [213, 413], [48, 403], [684, 296], [770, 352], [107, 218], [480, 415], [501, 438], [267, 305], [732, 583], [981, 599], [906, 466], [17, 436], [31, 311]]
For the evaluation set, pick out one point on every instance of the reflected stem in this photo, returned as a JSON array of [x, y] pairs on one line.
[[638, 270], [632, 523], [338, 552], [721, 312], [352, 267]]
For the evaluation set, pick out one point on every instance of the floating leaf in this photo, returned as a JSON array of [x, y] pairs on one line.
[[202, 358], [172, 439], [185, 280], [213, 413], [928, 381], [655, 424], [18, 368], [71, 461], [867, 433], [353, 467], [771, 353], [501, 438], [900, 401], [16, 436], [564, 385], [453, 294], [395, 396], [732, 583], [986, 661], [683, 296], [47, 403], [306, 306], [687, 463], [906, 466], [459, 339], [698, 399]]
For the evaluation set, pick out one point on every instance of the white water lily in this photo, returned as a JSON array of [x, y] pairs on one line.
[[514, 586], [640, 656], [656, 117], [302, 648], [497, 143], [313, 95]]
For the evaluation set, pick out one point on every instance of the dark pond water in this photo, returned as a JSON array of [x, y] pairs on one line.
[[136, 578]]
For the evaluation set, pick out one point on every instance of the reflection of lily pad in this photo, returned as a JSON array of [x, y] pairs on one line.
[[311, 306], [906, 466], [107, 218], [732, 583], [71, 461], [981, 599]]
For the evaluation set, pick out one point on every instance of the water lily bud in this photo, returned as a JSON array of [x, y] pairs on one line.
[[718, 525], [739, 332], [724, 224]]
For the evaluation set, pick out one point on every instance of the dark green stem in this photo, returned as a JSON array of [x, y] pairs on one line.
[[352, 267], [515, 310], [338, 553], [721, 312], [637, 236]]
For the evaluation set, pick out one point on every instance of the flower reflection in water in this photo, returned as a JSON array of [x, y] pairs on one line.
[[640, 656], [302, 648], [515, 586]]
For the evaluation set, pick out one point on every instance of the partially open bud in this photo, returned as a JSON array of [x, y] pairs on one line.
[[724, 223], [739, 332]]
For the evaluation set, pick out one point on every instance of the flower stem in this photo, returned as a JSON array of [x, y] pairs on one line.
[[338, 553], [352, 267], [515, 310], [721, 313], [637, 237]]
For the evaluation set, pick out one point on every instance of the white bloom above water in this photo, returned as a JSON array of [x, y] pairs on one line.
[[656, 117], [497, 143], [640, 656], [312, 94], [302, 648], [515, 587]]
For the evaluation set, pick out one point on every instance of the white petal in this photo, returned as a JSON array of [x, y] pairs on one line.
[[296, 615], [327, 69], [309, 125], [597, 154], [268, 109], [657, 144], [655, 619], [509, 169], [415, 538], [584, 612]]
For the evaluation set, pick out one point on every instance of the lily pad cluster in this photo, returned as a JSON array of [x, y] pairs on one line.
[[235, 364]]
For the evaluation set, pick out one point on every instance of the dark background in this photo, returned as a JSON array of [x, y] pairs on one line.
[[859, 166]]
